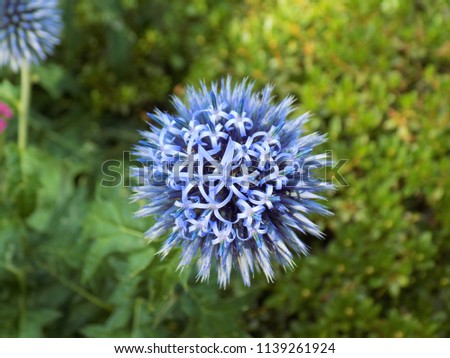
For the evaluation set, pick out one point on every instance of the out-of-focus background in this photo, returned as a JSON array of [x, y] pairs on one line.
[[73, 262]]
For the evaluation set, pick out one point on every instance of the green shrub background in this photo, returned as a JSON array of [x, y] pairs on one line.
[[73, 262]]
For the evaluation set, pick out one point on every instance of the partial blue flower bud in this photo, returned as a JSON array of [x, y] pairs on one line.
[[29, 31]]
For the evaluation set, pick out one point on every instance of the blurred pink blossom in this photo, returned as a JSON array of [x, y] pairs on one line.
[[5, 111], [3, 125]]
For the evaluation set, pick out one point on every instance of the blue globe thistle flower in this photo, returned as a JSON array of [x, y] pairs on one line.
[[29, 30], [231, 179]]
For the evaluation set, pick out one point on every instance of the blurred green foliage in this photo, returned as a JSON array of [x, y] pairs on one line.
[[73, 261]]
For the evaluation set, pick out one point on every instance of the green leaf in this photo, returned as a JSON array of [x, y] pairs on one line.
[[35, 321], [9, 93], [52, 78], [111, 228]]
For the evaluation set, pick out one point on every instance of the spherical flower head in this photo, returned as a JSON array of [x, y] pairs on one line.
[[230, 180], [29, 31]]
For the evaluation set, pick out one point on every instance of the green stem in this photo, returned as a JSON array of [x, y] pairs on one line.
[[79, 290], [20, 275], [25, 95]]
